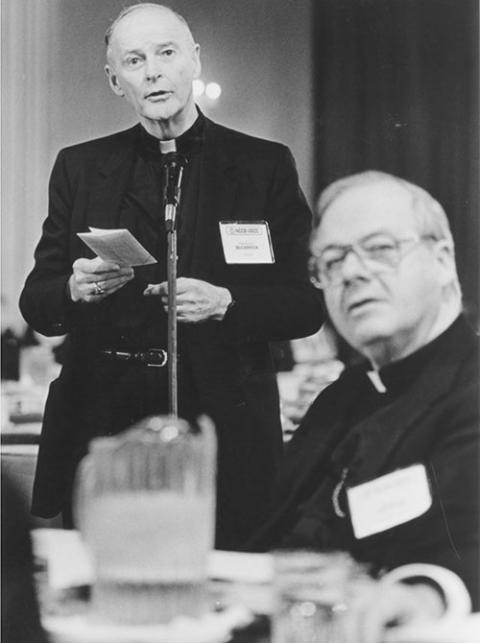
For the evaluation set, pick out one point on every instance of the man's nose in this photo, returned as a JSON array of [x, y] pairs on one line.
[[354, 266], [153, 68]]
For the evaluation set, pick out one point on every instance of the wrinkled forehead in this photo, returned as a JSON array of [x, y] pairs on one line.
[[367, 209], [149, 25]]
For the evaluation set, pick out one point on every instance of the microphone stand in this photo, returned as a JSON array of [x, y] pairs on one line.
[[173, 170]]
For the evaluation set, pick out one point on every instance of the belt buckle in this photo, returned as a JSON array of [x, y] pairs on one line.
[[155, 357]]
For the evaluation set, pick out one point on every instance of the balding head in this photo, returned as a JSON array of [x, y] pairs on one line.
[[144, 6]]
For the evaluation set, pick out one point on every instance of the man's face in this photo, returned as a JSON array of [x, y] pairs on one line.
[[385, 314], [153, 62]]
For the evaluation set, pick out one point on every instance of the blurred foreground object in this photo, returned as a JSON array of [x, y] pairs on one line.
[[145, 506], [311, 595], [321, 593], [20, 615], [327, 597]]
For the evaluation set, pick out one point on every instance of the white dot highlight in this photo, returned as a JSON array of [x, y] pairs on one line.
[[213, 91]]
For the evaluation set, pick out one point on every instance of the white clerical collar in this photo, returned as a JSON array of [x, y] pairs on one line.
[[376, 381], [169, 146]]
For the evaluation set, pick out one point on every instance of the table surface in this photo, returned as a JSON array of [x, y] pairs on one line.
[[238, 581]]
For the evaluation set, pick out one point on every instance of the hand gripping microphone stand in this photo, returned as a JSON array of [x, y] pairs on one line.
[[173, 166]]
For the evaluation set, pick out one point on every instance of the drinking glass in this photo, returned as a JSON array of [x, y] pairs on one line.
[[310, 596], [145, 504]]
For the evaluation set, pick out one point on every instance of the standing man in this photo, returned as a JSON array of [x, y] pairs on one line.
[[228, 307], [385, 463]]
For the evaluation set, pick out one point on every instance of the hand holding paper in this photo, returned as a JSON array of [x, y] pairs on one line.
[[118, 250], [117, 246], [94, 279]]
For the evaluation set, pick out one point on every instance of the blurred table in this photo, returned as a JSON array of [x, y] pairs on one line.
[[21, 424], [22, 411], [241, 583], [27, 433], [18, 463], [240, 590]]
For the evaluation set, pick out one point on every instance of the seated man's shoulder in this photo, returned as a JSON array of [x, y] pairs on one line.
[[333, 399], [462, 369], [462, 399]]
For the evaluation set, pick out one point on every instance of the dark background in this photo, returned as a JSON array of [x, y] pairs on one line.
[[396, 89]]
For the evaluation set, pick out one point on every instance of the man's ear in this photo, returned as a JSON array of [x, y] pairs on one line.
[[445, 257], [113, 81], [198, 64]]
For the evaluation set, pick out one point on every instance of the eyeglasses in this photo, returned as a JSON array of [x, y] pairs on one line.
[[378, 253]]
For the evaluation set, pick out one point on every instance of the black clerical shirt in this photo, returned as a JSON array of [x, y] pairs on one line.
[[323, 513], [134, 321]]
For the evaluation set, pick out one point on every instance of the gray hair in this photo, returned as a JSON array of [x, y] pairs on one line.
[[430, 217], [135, 7], [429, 214]]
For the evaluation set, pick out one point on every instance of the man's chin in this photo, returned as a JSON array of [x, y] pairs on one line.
[[159, 112], [368, 332]]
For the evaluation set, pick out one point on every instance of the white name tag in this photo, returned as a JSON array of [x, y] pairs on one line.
[[389, 501], [246, 242]]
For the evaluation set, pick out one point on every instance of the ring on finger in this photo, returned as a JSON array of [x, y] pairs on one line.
[[98, 289]]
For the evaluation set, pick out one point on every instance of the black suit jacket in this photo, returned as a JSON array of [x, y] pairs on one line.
[[434, 422], [241, 178]]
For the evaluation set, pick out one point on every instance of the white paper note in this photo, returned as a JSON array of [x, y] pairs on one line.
[[119, 246], [389, 500]]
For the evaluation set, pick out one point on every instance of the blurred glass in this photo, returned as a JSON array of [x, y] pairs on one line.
[[145, 505], [311, 596]]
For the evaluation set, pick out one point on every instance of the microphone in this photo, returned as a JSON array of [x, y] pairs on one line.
[[173, 165]]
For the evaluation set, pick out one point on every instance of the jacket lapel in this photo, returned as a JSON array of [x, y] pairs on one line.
[[110, 182], [318, 431], [313, 441], [382, 432], [219, 189]]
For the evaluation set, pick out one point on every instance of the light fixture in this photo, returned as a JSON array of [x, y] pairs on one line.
[[213, 91]]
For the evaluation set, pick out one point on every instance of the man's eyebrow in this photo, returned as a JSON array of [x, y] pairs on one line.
[[170, 43], [375, 233], [331, 246], [129, 52], [139, 51]]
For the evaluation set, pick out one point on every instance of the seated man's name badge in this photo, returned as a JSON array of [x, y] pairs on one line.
[[246, 242], [389, 501]]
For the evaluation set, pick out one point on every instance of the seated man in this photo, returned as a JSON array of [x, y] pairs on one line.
[[384, 464]]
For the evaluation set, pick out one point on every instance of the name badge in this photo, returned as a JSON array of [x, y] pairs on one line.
[[246, 242], [389, 501]]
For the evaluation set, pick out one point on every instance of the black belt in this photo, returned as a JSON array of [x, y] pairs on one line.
[[156, 357]]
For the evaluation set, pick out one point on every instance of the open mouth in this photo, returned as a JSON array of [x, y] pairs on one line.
[[356, 305], [159, 94]]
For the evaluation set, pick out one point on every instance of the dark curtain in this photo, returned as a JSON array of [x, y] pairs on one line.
[[396, 89]]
